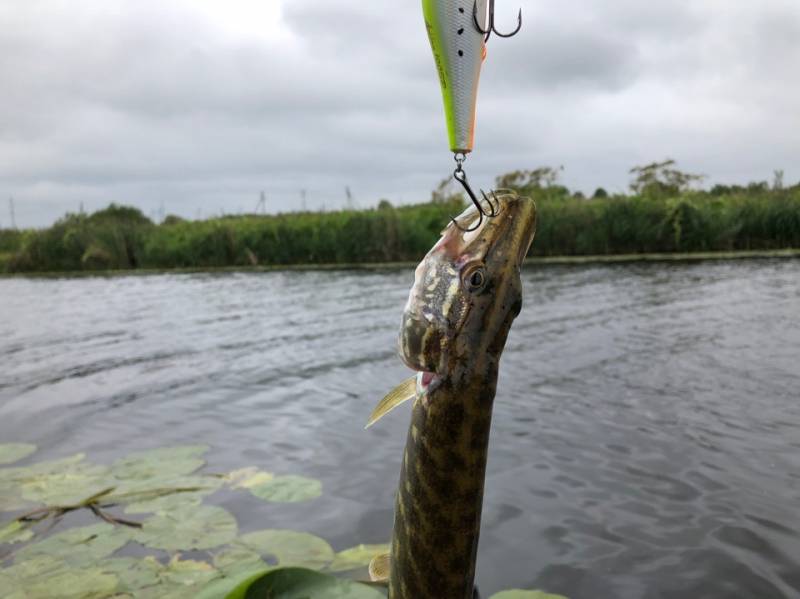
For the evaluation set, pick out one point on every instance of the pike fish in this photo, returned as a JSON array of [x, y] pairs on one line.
[[466, 294]]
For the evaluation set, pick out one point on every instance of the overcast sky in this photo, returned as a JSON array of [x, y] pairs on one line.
[[195, 106]]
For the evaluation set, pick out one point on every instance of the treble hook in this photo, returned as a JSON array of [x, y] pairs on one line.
[[460, 176], [490, 25]]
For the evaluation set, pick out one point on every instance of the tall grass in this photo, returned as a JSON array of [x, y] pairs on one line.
[[691, 222], [122, 238]]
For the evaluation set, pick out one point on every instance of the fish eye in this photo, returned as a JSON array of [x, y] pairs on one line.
[[475, 278]]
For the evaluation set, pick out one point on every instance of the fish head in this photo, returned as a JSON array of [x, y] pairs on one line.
[[467, 292]]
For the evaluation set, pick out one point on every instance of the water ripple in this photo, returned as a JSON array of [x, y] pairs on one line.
[[646, 429]]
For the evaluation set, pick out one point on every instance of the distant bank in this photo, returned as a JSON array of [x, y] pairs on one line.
[[386, 266], [755, 221]]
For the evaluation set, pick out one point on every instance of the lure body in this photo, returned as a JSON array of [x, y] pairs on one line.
[[458, 51]]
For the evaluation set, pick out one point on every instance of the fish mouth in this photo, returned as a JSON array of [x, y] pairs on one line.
[[510, 231], [426, 379]]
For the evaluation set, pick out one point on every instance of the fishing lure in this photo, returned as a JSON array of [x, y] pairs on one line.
[[458, 31]]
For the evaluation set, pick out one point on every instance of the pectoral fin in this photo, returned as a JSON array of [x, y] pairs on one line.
[[379, 568], [400, 394]]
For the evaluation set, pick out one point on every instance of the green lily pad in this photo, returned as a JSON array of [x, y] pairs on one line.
[[247, 478], [15, 532], [43, 577], [300, 583], [79, 546], [288, 489], [521, 594], [179, 579], [161, 463], [220, 587], [238, 560], [133, 491], [82, 583], [11, 500], [14, 452], [58, 482], [161, 500], [188, 572], [68, 487], [356, 557], [188, 527], [133, 573], [289, 547], [22, 473]]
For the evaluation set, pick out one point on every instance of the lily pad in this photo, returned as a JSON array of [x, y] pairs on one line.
[[289, 547], [247, 478], [165, 503], [22, 473], [15, 532], [10, 499], [44, 577], [188, 527], [133, 573], [81, 583], [68, 487], [58, 482], [288, 489], [188, 572], [179, 579], [161, 463], [14, 452], [79, 546], [237, 560], [521, 594], [300, 583], [356, 557], [220, 587], [132, 491]]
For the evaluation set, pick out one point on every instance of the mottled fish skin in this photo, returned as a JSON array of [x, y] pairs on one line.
[[455, 331]]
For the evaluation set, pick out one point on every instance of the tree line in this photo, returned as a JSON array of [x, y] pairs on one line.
[[665, 211]]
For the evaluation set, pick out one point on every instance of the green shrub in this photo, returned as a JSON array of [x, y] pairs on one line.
[[119, 237]]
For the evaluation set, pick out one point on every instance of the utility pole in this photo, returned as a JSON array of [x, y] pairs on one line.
[[11, 212], [349, 196], [303, 199], [262, 203]]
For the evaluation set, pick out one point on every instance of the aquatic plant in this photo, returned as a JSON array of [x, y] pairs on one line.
[[154, 499]]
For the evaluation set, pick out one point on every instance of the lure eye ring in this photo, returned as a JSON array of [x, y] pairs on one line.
[[475, 278]]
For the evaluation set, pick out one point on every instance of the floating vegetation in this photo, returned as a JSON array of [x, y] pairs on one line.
[[356, 557], [161, 493], [288, 489], [300, 583], [14, 452], [520, 594], [289, 548], [81, 546], [188, 527]]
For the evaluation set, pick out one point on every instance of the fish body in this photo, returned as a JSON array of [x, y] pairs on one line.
[[466, 294], [458, 51]]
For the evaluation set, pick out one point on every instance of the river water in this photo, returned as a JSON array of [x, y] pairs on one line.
[[646, 434]]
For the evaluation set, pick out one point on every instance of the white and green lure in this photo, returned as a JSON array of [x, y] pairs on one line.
[[458, 31]]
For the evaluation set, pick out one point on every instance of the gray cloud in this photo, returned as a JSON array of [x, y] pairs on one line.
[[156, 103]]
